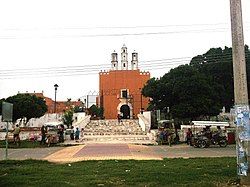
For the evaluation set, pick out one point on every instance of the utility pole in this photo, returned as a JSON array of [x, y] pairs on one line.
[[240, 93]]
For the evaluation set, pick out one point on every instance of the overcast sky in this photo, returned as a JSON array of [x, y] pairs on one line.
[[73, 39]]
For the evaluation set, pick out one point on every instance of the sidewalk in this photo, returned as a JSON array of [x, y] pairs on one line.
[[103, 151], [109, 151], [116, 151]]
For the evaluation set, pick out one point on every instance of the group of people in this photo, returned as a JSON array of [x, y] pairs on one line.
[[167, 135], [74, 135], [212, 135], [206, 132], [48, 137]]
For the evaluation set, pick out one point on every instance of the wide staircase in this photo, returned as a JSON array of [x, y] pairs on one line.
[[110, 131]]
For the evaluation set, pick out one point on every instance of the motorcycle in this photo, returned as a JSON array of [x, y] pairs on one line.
[[202, 141]]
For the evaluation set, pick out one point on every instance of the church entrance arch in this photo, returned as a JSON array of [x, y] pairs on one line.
[[125, 112]]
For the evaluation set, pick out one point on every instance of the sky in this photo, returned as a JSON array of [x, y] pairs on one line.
[[67, 42]]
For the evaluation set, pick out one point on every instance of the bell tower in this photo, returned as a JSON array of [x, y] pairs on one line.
[[134, 62], [124, 58], [114, 61]]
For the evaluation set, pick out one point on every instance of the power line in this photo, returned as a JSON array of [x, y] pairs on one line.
[[118, 34], [83, 68], [100, 66], [116, 27], [90, 66], [88, 71], [159, 65], [113, 27]]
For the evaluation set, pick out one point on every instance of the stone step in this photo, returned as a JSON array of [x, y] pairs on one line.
[[109, 133], [124, 138], [102, 130], [111, 130]]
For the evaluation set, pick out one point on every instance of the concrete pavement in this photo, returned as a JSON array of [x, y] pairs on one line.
[[107, 151], [29, 153]]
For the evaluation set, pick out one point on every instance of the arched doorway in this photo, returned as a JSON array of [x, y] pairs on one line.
[[125, 112]]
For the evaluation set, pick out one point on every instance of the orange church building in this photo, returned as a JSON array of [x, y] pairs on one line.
[[120, 88]]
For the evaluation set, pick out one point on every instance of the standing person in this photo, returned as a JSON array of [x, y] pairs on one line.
[[61, 132], [82, 133], [118, 118], [77, 133], [189, 136], [16, 133], [169, 136], [43, 133], [72, 133], [121, 116]]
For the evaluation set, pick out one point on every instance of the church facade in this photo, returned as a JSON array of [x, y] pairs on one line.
[[120, 87]]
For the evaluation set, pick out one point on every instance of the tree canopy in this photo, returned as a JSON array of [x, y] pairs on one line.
[[198, 89], [68, 117], [27, 106], [95, 111]]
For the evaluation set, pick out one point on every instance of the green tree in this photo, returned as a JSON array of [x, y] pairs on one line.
[[27, 106], [156, 90], [1, 101], [78, 109], [187, 92], [96, 111], [199, 89], [217, 63], [68, 117]]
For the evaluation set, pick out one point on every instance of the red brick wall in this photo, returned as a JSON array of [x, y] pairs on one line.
[[110, 85]]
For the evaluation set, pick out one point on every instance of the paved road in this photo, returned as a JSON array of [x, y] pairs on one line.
[[116, 151], [188, 151], [34, 153]]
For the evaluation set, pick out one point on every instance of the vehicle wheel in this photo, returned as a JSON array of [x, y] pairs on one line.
[[223, 143], [202, 144], [195, 143]]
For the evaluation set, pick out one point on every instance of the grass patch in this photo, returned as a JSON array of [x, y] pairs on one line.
[[168, 172]]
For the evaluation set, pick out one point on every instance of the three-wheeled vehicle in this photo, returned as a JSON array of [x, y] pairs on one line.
[[208, 133], [52, 136], [166, 132]]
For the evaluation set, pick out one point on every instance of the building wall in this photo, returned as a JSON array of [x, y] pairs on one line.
[[110, 85], [61, 106]]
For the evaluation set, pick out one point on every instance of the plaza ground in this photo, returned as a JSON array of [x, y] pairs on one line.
[[107, 151]]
